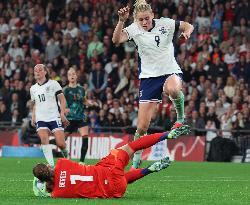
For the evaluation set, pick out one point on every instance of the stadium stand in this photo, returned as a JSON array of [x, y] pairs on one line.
[[63, 33]]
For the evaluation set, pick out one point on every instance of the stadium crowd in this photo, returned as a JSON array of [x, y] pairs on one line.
[[61, 34]]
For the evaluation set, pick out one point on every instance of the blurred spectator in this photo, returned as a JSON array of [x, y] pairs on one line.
[[102, 117], [95, 44], [8, 66], [69, 48], [15, 103], [16, 118], [215, 61], [209, 99], [4, 28], [230, 87], [132, 114], [212, 117], [230, 58], [111, 69], [71, 29], [216, 16], [226, 123], [15, 50], [5, 115], [219, 109], [94, 125], [98, 80], [210, 126], [116, 107], [125, 120], [52, 50], [202, 19], [34, 41], [110, 120], [169, 120], [196, 122], [84, 24], [242, 69], [5, 91]]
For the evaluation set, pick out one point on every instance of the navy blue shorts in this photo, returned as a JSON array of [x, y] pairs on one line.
[[151, 88], [52, 125]]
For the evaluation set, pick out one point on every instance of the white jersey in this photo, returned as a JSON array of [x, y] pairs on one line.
[[45, 98], [155, 48]]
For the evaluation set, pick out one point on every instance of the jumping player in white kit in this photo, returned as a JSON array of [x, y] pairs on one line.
[[158, 69], [48, 111]]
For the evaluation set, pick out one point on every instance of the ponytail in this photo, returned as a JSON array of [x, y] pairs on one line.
[[140, 6]]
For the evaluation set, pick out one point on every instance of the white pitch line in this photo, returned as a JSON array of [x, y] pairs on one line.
[[19, 180]]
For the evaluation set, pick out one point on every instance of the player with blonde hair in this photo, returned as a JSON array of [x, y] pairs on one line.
[[158, 69]]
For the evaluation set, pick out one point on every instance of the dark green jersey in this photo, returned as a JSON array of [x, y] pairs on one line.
[[75, 98]]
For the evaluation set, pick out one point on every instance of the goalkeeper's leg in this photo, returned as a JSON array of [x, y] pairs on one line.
[[136, 174], [150, 140]]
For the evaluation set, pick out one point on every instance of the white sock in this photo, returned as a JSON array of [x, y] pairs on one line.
[[47, 151], [137, 159], [137, 154]]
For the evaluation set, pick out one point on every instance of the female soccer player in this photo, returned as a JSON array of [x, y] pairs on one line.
[[76, 97], [47, 115], [106, 179], [158, 69]]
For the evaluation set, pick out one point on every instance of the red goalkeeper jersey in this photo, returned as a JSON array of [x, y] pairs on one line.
[[73, 180]]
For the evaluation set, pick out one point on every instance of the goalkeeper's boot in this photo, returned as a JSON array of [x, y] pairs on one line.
[[176, 132], [159, 165]]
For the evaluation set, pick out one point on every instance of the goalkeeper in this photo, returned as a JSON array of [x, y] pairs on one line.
[[106, 179]]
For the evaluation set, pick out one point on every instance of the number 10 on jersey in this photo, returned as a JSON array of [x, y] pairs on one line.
[[41, 97]]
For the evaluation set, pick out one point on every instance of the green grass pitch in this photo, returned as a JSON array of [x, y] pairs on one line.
[[181, 183]]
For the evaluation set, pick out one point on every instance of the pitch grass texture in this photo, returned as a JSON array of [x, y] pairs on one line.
[[181, 183]]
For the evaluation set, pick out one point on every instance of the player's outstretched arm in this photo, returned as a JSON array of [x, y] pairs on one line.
[[120, 36], [186, 29]]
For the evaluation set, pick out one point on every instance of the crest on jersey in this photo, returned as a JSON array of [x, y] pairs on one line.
[[163, 30], [47, 89]]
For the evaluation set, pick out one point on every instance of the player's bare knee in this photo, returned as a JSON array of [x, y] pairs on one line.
[[174, 92]]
